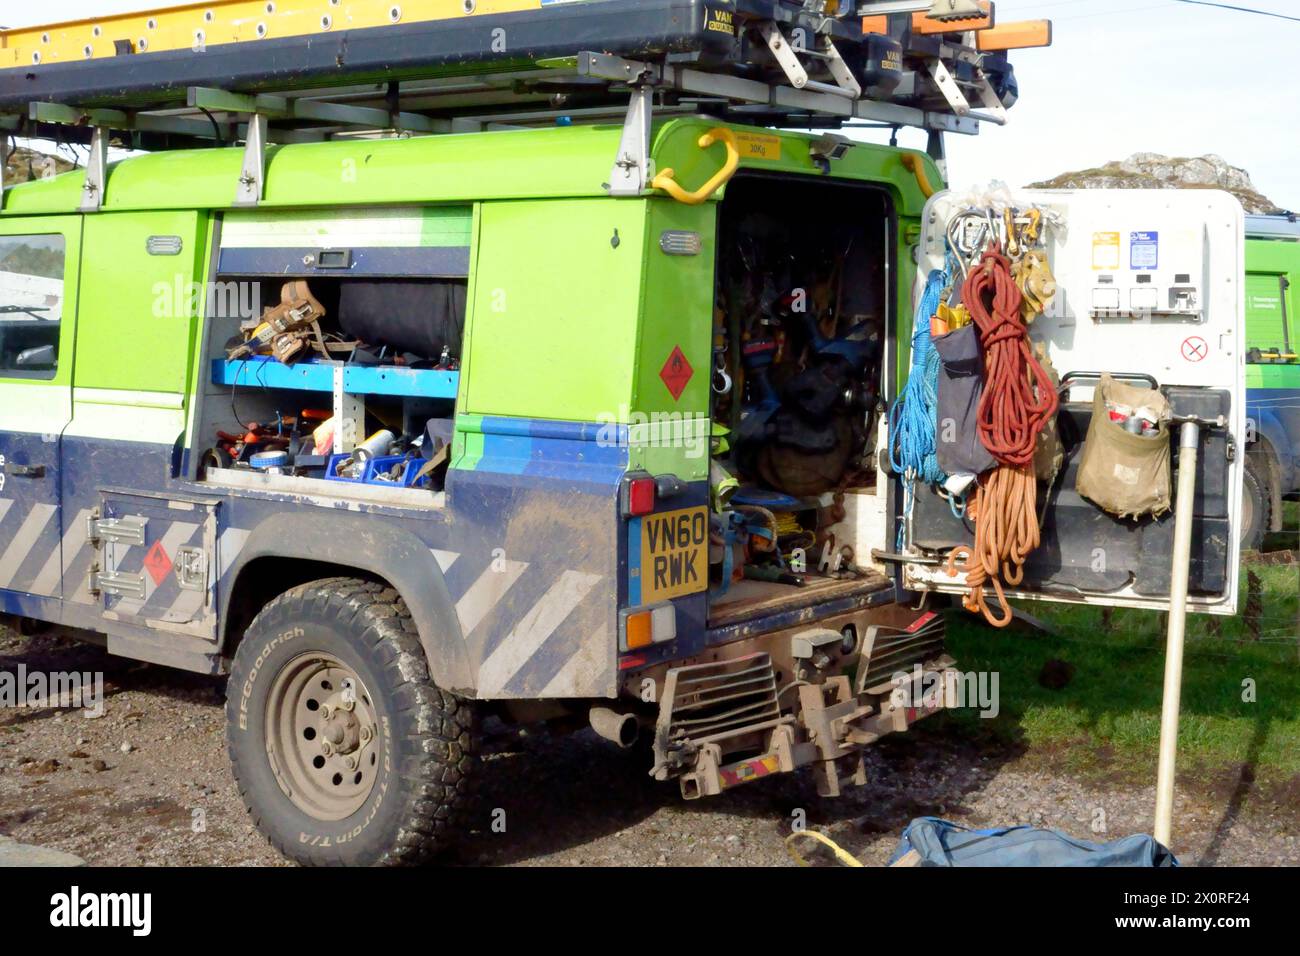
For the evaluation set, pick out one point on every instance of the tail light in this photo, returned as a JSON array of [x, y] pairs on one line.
[[640, 497], [655, 625]]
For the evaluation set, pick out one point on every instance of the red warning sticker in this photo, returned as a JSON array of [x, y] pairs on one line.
[[676, 373], [1195, 348], [157, 563]]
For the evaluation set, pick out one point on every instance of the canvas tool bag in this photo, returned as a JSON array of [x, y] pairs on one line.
[[957, 444], [1122, 473]]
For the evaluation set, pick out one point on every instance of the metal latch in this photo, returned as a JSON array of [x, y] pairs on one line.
[[128, 530], [116, 582], [192, 569]]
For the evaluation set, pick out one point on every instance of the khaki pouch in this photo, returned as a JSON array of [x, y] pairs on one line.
[[1125, 474]]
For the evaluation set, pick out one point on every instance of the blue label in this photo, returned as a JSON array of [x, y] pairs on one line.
[[1144, 250]]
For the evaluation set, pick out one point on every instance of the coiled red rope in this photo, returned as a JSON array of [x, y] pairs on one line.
[[1019, 400]]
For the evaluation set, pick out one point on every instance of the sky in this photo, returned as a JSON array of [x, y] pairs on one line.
[[1122, 76]]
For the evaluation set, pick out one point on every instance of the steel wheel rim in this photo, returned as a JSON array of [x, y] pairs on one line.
[[322, 736]]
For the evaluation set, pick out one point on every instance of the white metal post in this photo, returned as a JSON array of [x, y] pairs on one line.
[[1189, 440]]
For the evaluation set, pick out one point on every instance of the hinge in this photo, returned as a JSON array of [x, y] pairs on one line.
[[118, 583], [129, 530]]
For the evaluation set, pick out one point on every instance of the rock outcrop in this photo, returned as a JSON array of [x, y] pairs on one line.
[[1154, 171], [27, 164]]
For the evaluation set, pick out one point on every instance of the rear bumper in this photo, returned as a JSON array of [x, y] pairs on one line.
[[797, 698]]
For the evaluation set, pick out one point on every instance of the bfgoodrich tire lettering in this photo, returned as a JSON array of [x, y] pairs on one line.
[[425, 745]]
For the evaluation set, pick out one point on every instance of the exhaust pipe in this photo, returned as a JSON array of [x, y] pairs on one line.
[[622, 729]]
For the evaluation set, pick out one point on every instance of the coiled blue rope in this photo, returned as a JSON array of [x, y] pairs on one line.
[[913, 417]]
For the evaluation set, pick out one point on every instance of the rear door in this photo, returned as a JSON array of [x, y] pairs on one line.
[[38, 283], [1151, 290]]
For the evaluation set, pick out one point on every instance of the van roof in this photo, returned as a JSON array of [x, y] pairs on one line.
[[553, 162], [1272, 227]]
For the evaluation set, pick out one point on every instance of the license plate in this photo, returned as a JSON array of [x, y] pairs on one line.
[[674, 554]]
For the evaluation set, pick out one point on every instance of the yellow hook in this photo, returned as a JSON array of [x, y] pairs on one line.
[[668, 184], [914, 163]]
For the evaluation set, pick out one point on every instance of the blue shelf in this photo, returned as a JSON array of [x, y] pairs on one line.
[[261, 372]]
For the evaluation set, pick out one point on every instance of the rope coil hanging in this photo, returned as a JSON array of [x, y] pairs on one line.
[[913, 418], [1018, 402]]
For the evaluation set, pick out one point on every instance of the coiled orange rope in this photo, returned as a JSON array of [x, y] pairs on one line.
[[1019, 400]]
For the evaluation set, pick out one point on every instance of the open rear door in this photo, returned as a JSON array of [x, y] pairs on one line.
[[1150, 290]]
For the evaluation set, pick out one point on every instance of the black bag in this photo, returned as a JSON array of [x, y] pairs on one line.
[[421, 316], [805, 445], [957, 444]]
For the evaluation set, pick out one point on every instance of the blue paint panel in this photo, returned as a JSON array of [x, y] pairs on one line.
[[550, 451], [633, 575], [1276, 414]]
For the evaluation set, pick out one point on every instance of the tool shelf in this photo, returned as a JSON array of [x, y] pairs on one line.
[[319, 376]]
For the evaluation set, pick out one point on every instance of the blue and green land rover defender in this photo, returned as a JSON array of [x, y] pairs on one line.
[[517, 361]]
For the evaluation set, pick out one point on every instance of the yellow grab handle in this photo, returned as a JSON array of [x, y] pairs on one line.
[[665, 181], [913, 162]]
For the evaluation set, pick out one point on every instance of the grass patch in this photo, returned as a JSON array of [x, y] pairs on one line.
[[1107, 719]]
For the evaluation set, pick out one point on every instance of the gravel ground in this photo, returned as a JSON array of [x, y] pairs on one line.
[[148, 783]]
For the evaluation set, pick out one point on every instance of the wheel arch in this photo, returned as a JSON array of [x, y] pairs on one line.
[[290, 549]]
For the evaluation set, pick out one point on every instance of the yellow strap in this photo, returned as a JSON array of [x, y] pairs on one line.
[[668, 184], [844, 856]]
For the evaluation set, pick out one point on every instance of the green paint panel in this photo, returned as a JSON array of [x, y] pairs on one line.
[[1265, 316], [1272, 280], [677, 314], [554, 308], [139, 314], [508, 164]]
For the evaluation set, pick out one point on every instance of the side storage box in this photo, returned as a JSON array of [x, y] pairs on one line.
[[155, 561]]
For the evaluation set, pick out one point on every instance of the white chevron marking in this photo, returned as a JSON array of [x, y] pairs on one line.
[[531, 632], [484, 593]]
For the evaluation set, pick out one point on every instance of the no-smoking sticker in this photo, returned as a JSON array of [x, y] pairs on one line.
[[1195, 348]]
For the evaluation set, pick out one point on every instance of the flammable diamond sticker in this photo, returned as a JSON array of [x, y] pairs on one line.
[[676, 373], [157, 563]]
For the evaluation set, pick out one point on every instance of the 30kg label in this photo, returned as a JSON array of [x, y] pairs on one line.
[[759, 146]]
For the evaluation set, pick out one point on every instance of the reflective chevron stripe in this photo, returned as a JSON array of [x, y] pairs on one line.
[[484, 594], [537, 625], [16, 550], [74, 539]]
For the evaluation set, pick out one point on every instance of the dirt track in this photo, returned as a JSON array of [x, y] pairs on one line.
[[167, 798]]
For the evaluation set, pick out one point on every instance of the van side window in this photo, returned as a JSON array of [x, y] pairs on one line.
[[31, 305]]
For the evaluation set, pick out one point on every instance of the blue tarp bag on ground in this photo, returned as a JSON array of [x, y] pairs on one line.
[[938, 842]]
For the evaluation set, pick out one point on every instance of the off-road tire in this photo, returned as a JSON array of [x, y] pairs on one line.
[[1256, 505], [428, 738]]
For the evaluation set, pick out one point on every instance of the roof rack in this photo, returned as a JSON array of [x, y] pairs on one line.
[[259, 72]]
